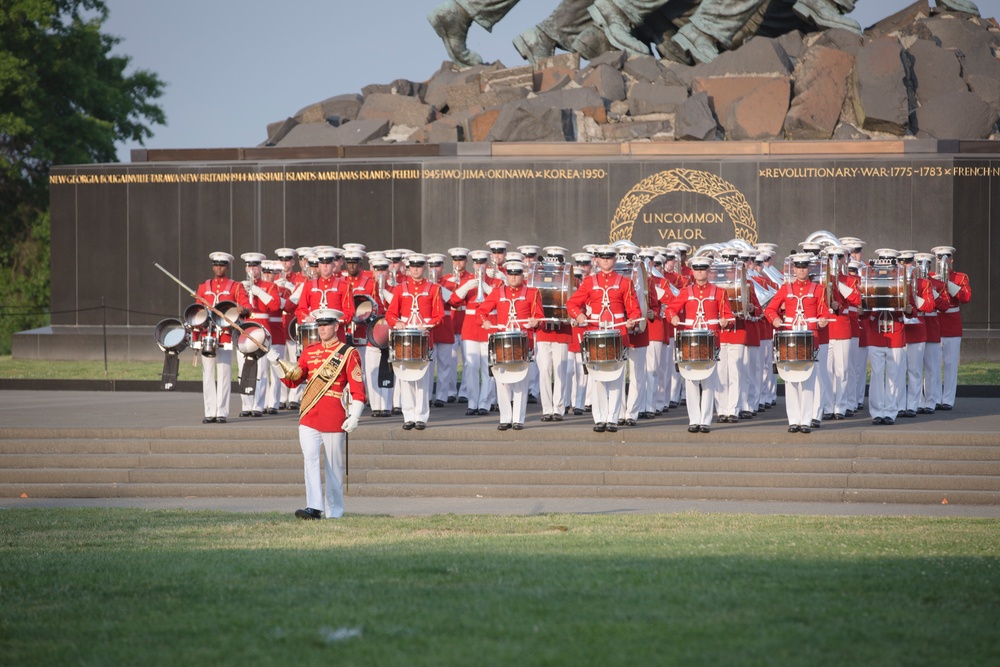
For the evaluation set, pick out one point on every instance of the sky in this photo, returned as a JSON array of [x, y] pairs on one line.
[[231, 67]]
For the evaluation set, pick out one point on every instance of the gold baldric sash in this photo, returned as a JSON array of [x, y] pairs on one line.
[[323, 379]]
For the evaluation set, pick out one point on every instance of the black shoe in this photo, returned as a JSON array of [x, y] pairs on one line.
[[704, 428], [256, 413], [577, 411], [888, 421], [746, 414], [407, 426], [532, 398], [693, 428], [420, 426], [805, 429], [503, 427], [588, 408], [722, 419], [557, 418], [396, 411], [272, 411], [672, 405], [657, 413], [245, 413], [546, 418], [900, 413], [612, 428], [794, 428], [471, 412], [849, 413], [482, 412], [827, 416], [761, 407], [463, 399], [438, 404], [451, 399], [683, 402], [294, 405], [878, 421], [815, 423], [909, 414], [569, 410], [600, 428], [495, 408], [208, 420], [838, 416], [621, 422], [518, 427], [221, 420], [309, 514], [630, 422], [944, 406]]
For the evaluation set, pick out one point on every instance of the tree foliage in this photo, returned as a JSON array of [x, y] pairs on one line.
[[64, 99]]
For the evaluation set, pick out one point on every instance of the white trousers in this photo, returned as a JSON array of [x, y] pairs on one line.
[[607, 397], [445, 360], [701, 399], [951, 347], [914, 375], [513, 401], [475, 374], [273, 394], [800, 399], [636, 398], [581, 381], [654, 377], [931, 394], [256, 400], [754, 375], [323, 452], [886, 387], [851, 396], [860, 365], [379, 398], [769, 379], [838, 367], [552, 360], [823, 383], [216, 383], [414, 397], [733, 379]]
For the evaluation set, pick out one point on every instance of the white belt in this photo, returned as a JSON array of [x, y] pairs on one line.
[[689, 323], [852, 309], [274, 319], [931, 314], [260, 316], [952, 310], [791, 320]]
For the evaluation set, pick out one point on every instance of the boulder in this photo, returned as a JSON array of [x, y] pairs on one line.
[[987, 88], [464, 95], [614, 58], [936, 71], [793, 43], [522, 121], [398, 109], [975, 42], [694, 120], [760, 55], [879, 87], [442, 132], [552, 78], [622, 132], [959, 115], [647, 98], [837, 38], [277, 131], [748, 107], [345, 106], [606, 80], [644, 68], [821, 83], [354, 133], [397, 87], [847, 132], [586, 100], [512, 77], [900, 22], [499, 97]]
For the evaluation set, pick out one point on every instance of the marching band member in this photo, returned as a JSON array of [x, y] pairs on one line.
[[678, 280], [800, 304], [452, 281], [444, 337], [416, 302], [607, 299], [765, 380], [732, 397], [364, 290], [930, 396], [271, 270], [846, 299], [517, 306], [475, 370], [581, 385], [217, 370], [886, 343], [290, 396], [638, 344], [305, 270], [750, 400], [959, 292], [915, 335], [655, 360], [331, 371], [552, 357], [327, 290], [379, 396], [264, 303], [700, 305], [824, 384]]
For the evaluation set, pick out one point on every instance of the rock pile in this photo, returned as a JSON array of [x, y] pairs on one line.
[[922, 72]]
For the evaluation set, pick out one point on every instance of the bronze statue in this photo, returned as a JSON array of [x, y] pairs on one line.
[[686, 31]]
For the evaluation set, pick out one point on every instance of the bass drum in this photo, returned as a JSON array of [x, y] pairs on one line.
[[884, 288], [307, 334], [554, 283]]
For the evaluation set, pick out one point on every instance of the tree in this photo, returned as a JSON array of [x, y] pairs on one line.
[[64, 99]]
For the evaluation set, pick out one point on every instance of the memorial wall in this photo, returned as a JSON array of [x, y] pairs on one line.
[[110, 223]]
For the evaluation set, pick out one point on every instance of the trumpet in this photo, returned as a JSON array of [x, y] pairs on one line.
[[481, 277]]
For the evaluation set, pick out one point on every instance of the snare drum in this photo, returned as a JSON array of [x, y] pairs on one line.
[[602, 345], [409, 345], [793, 346], [307, 334], [883, 288], [696, 346], [508, 347]]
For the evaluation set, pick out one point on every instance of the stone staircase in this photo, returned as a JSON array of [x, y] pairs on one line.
[[847, 461]]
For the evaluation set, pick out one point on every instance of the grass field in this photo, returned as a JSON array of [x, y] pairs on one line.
[[130, 587], [978, 373]]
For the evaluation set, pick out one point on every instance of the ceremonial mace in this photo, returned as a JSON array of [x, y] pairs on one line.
[[285, 366]]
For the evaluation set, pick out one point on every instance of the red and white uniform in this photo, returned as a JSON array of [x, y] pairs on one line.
[[951, 333], [932, 383], [333, 292], [842, 332], [415, 303], [321, 433], [915, 329], [265, 308], [476, 379], [217, 371]]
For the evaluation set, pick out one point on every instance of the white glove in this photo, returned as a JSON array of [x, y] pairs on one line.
[[296, 294], [953, 289], [466, 287], [261, 294], [487, 289], [353, 417], [445, 294], [844, 290], [494, 273], [387, 296], [273, 356], [659, 293], [920, 302]]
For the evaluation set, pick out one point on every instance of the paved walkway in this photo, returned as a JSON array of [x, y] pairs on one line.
[[90, 410]]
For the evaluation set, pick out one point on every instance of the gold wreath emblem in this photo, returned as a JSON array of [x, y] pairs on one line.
[[684, 180]]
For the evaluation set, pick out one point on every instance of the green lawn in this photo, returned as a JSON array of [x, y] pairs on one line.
[[131, 587]]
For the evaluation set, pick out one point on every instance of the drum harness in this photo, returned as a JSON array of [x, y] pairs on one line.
[[606, 302], [699, 323]]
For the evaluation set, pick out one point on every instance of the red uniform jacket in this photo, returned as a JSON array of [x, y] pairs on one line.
[[511, 304], [452, 282], [607, 297], [364, 284], [215, 290], [786, 303], [707, 300], [951, 319], [328, 414], [841, 326], [420, 302]]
